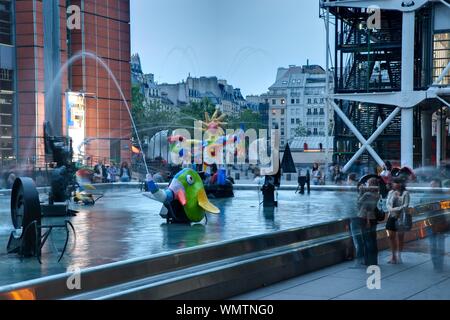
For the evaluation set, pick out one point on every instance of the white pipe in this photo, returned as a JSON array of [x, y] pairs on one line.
[[443, 75], [445, 3], [357, 134], [438, 140], [327, 81], [374, 136], [407, 127], [443, 101]]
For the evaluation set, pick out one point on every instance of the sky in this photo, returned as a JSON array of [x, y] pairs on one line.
[[241, 41]]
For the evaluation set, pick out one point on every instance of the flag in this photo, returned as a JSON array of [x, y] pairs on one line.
[[135, 150]]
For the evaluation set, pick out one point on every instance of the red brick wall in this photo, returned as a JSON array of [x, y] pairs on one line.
[[30, 76], [105, 32]]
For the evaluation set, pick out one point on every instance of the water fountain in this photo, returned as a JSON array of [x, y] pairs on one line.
[[26, 209]]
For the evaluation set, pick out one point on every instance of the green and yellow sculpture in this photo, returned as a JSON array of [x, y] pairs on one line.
[[185, 198]]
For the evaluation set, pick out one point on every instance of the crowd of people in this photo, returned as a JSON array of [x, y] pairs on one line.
[[372, 209], [110, 173]]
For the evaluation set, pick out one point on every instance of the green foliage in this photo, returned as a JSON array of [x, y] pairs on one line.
[[195, 111], [149, 117], [248, 119], [301, 131]]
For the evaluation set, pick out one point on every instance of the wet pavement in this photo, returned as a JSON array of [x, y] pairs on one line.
[[424, 275], [125, 225]]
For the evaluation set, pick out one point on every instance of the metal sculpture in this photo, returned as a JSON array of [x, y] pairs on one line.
[[27, 239], [185, 199]]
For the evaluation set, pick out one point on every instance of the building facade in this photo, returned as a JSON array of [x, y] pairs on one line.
[[392, 77], [149, 88], [36, 41], [228, 99], [297, 103]]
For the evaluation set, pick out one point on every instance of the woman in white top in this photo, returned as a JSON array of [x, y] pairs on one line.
[[397, 201]]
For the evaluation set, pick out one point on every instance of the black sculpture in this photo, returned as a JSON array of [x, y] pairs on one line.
[[62, 179], [27, 239]]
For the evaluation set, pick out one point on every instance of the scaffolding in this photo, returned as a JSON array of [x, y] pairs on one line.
[[383, 78]]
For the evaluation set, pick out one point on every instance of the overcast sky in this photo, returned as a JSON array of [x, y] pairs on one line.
[[242, 41]]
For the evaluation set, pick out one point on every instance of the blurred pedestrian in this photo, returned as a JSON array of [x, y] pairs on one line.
[[367, 206], [125, 172], [398, 200]]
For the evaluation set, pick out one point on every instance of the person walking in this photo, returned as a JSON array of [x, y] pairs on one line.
[[367, 206], [397, 202]]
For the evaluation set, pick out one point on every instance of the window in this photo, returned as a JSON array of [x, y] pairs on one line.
[[322, 111], [315, 100], [283, 101], [316, 132], [309, 101], [274, 102], [6, 126], [292, 121], [441, 56], [298, 121], [315, 111], [297, 101], [5, 23], [309, 112], [282, 111], [292, 101]]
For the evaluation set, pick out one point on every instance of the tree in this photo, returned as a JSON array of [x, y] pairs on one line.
[[195, 111], [248, 119], [301, 131], [149, 117]]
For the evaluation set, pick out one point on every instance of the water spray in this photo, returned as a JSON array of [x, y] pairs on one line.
[[87, 54]]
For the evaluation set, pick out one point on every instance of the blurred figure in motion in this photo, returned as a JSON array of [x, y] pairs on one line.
[[112, 171], [437, 244], [159, 177], [437, 236], [98, 173], [10, 180], [436, 183], [125, 172], [398, 200], [318, 175], [367, 204], [337, 175], [386, 174], [352, 180], [258, 179]]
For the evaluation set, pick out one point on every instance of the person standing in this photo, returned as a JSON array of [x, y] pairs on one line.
[[367, 206], [105, 173], [125, 172], [112, 172], [98, 172], [398, 200]]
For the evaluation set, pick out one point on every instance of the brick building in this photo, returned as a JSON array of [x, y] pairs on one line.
[[35, 42]]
